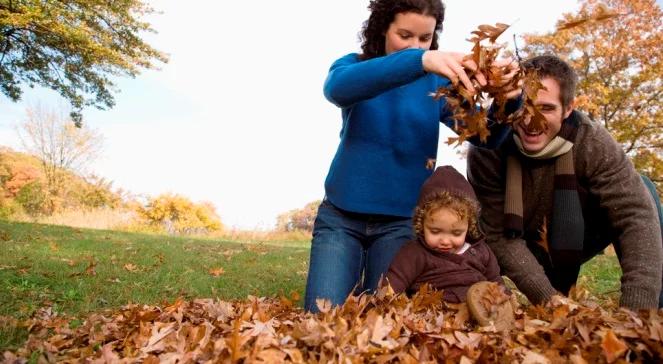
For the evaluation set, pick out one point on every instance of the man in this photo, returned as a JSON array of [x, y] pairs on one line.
[[554, 198]]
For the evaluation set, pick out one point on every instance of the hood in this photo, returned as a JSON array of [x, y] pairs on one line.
[[446, 178]]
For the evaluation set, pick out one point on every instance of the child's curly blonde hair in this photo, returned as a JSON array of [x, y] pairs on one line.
[[465, 208]]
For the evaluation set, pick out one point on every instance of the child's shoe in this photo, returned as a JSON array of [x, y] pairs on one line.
[[490, 305]]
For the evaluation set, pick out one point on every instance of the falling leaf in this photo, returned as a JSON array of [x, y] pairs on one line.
[[602, 13], [430, 163], [543, 236]]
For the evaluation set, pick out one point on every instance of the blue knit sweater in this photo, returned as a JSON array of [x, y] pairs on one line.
[[389, 132]]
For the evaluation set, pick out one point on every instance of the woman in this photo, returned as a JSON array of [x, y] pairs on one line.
[[389, 136]]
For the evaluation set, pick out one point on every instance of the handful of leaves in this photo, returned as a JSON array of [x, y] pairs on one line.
[[469, 108]]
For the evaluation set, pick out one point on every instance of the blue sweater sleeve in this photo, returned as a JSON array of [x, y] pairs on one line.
[[350, 80]]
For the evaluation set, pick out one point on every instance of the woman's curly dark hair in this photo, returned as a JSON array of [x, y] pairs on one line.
[[382, 15], [466, 209]]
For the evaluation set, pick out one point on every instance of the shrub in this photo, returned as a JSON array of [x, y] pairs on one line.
[[32, 198], [9, 208], [19, 176], [177, 214], [97, 193], [298, 219]]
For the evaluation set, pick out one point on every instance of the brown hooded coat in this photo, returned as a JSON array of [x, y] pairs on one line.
[[416, 264]]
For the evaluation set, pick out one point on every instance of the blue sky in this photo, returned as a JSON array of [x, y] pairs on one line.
[[237, 117]]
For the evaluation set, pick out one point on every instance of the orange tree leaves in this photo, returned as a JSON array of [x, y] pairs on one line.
[[615, 46], [298, 219], [380, 328]]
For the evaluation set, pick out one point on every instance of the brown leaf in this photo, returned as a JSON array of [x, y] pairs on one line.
[[602, 13], [215, 272], [430, 163], [543, 236], [159, 332], [90, 270], [613, 347]]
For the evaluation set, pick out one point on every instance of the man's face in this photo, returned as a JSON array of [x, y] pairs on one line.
[[549, 103]]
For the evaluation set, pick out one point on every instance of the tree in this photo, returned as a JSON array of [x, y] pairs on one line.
[[615, 46], [59, 144], [73, 46], [298, 219]]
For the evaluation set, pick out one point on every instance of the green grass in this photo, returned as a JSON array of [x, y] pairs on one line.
[[45, 266], [601, 277]]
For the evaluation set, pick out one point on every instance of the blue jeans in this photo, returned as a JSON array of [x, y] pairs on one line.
[[351, 251]]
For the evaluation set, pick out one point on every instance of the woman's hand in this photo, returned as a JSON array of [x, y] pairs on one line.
[[452, 65], [509, 70]]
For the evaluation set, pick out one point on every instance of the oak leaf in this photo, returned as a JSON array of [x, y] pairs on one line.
[[613, 347]]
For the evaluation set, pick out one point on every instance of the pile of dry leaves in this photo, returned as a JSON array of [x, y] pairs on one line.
[[379, 328]]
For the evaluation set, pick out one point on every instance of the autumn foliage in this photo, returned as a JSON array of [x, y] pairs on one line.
[[23, 188], [178, 214], [615, 47], [380, 328], [298, 219]]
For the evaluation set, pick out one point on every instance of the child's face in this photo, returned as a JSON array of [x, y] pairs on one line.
[[444, 231]]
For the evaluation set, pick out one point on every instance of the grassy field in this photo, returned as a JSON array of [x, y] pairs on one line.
[[77, 271]]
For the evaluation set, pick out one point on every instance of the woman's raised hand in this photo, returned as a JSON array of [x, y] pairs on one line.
[[453, 66], [505, 84]]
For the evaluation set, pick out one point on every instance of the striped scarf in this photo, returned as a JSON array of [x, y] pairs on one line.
[[566, 232]]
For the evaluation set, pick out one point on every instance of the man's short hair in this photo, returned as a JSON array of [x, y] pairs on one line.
[[555, 68]]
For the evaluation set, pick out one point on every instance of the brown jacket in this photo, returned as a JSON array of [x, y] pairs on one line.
[[416, 264], [616, 208]]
